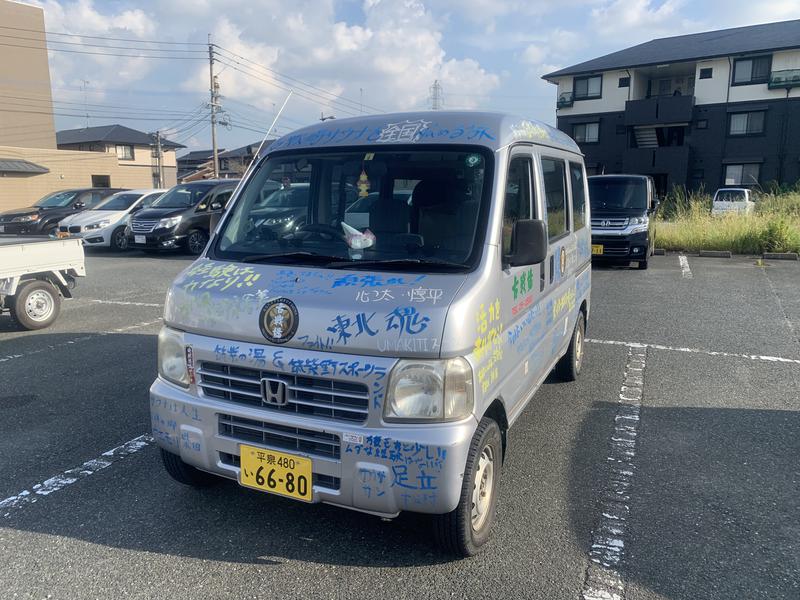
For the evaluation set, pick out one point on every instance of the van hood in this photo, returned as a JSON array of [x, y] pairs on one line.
[[93, 216], [155, 214], [352, 312], [598, 213]]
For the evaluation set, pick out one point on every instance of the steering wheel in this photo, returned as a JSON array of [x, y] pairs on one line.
[[326, 232]]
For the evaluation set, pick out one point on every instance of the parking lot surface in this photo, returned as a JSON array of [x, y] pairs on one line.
[[685, 421]]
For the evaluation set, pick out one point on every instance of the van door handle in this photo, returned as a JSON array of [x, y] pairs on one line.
[[552, 265], [541, 276]]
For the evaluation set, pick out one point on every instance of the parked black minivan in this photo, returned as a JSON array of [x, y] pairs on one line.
[[623, 223], [181, 218]]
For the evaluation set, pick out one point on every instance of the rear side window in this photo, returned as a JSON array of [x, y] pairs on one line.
[[518, 197], [223, 197], [555, 190], [578, 196]]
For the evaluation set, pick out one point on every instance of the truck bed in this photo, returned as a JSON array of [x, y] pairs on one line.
[[25, 256]]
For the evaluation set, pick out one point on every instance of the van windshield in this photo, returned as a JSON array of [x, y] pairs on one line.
[[183, 196], [58, 199], [389, 207], [730, 196], [617, 193]]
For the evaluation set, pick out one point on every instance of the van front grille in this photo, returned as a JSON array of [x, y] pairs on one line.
[[281, 437], [142, 226], [603, 223], [316, 397]]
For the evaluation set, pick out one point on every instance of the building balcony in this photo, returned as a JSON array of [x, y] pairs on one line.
[[659, 110], [784, 80], [665, 159], [565, 100]]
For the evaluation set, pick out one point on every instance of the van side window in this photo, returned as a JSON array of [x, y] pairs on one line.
[[518, 197], [223, 197], [578, 196], [555, 190]]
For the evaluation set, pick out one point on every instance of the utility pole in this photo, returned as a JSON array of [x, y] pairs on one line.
[[436, 98], [214, 104], [159, 160], [85, 85]]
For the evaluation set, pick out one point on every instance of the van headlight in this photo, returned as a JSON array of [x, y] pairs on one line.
[[99, 224], [638, 223], [172, 357], [168, 223], [429, 391]]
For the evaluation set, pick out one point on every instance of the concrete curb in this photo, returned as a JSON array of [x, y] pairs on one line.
[[659, 252], [716, 253], [781, 256]]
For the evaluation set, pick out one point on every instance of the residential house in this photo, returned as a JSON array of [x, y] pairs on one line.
[[192, 161], [706, 109], [135, 151]]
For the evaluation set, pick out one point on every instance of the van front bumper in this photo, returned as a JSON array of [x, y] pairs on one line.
[[623, 247], [382, 470], [156, 241]]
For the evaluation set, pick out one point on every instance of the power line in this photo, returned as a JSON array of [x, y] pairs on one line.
[[96, 107], [102, 53], [355, 104], [102, 37], [139, 48], [61, 114], [316, 100]]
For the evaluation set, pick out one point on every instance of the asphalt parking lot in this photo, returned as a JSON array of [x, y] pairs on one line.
[[701, 359]]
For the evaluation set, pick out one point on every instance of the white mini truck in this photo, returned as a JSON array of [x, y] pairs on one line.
[[35, 274]]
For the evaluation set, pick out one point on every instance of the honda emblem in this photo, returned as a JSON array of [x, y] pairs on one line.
[[273, 392]]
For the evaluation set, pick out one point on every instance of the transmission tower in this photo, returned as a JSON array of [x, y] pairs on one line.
[[436, 96]]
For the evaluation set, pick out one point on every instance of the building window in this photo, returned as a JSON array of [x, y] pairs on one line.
[[102, 181], [586, 88], [747, 71], [744, 174], [706, 73], [124, 152], [578, 196], [746, 123], [624, 82], [586, 132], [555, 190], [701, 124], [518, 197]]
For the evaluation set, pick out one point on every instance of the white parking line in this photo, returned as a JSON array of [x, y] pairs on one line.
[[121, 303], [603, 581], [685, 270], [70, 476], [773, 359], [77, 340]]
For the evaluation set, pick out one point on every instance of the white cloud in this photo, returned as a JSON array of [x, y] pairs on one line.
[[639, 20]]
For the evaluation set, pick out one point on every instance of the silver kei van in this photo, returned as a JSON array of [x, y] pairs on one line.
[[367, 336]]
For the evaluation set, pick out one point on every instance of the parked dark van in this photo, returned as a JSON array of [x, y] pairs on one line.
[[181, 218], [623, 224], [44, 215]]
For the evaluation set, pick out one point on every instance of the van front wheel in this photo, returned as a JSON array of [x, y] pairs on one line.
[[569, 367], [469, 526], [186, 474]]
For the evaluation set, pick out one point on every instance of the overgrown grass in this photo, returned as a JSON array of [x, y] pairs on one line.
[[685, 223]]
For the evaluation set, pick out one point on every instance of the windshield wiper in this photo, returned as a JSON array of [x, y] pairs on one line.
[[394, 262], [303, 255]]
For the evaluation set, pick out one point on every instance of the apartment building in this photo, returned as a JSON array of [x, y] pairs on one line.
[[707, 109]]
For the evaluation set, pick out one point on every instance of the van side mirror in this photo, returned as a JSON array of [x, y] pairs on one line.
[[528, 243], [216, 205], [79, 204]]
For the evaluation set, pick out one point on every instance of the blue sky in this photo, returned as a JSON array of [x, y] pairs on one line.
[[345, 56]]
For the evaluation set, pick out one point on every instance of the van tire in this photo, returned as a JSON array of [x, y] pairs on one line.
[[455, 531], [36, 304], [119, 241], [196, 242], [186, 474], [569, 367]]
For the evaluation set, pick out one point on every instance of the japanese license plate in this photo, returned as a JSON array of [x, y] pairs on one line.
[[275, 472], [62, 234], [139, 239], [2, 228], [597, 248]]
